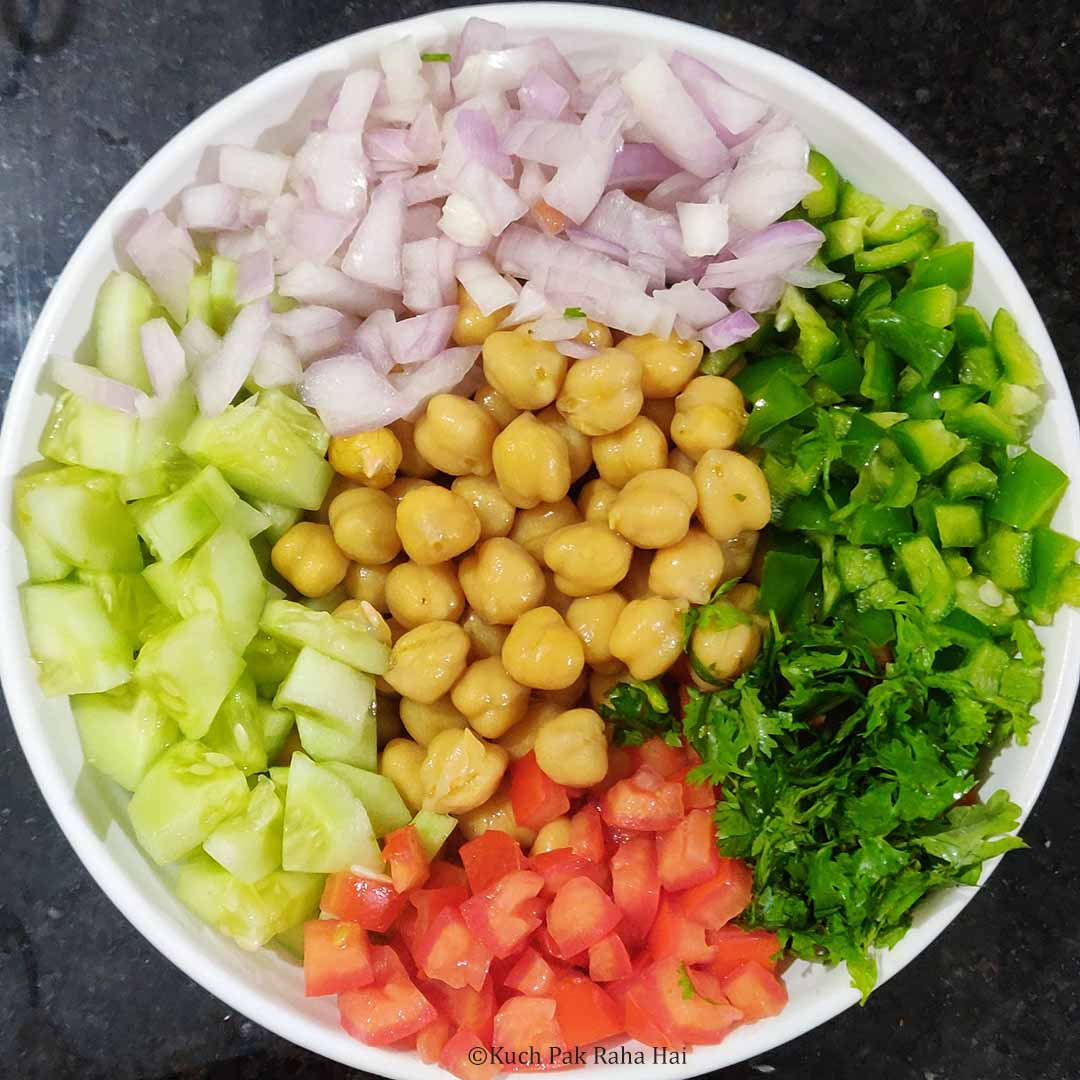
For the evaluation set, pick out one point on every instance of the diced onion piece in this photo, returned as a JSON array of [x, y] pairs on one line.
[[650, 265], [463, 223], [199, 342], [335, 163], [219, 379], [477, 35], [488, 289], [438, 375], [737, 326], [759, 295], [349, 395], [166, 363], [89, 384], [417, 340], [424, 141], [307, 319], [315, 235], [576, 350], [758, 194], [166, 257], [480, 141], [425, 187], [354, 100], [704, 227], [541, 96], [254, 276], [374, 255], [324, 285], [373, 339], [681, 187], [531, 304], [402, 67], [276, 364], [235, 245], [696, 306], [640, 165], [210, 206], [729, 110], [810, 277], [556, 328], [253, 170]]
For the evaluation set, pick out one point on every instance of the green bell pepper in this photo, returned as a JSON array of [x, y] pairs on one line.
[[837, 293], [953, 266], [857, 204], [859, 567], [785, 577], [935, 305], [843, 373], [1005, 556], [816, 343], [979, 366], [924, 347], [843, 237], [971, 480], [879, 524], [970, 328], [983, 600], [879, 378], [822, 203], [1053, 573], [980, 421], [891, 226], [1017, 404], [1028, 492], [889, 255], [1018, 359], [780, 400], [929, 576], [959, 524], [753, 378], [927, 444]]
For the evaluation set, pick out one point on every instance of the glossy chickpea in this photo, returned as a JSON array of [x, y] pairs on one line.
[[426, 661], [461, 772], [541, 651], [489, 699], [532, 462], [733, 494], [654, 508], [624, 453], [601, 682], [366, 582], [552, 836], [521, 738], [578, 446], [493, 508], [724, 654], [709, 414], [532, 527], [595, 334], [434, 524], [363, 615], [602, 393], [400, 763], [388, 725], [587, 558], [413, 462], [403, 485], [688, 570], [679, 462], [418, 594], [660, 411], [596, 500], [370, 458], [668, 364], [739, 554], [338, 484], [527, 372], [572, 749], [593, 618], [648, 636], [455, 435], [492, 402], [472, 326], [309, 560], [424, 720], [498, 814], [363, 523], [554, 596], [485, 638], [501, 581]]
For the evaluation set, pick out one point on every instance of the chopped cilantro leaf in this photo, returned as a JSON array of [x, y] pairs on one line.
[[435, 57], [573, 313]]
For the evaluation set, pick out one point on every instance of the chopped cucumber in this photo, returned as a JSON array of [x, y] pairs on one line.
[[249, 844], [124, 303], [43, 561], [281, 518], [279, 774], [166, 579], [199, 298], [223, 305], [292, 941], [129, 601], [269, 662], [320, 630], [385, 807], [159, 466], [80, 432], [434, 830], [276, 726], [237, 729], [301, 420]]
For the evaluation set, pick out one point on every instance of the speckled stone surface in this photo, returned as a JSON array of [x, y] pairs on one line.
[[90, 88]]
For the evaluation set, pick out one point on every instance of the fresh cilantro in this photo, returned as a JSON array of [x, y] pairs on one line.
[[639, 711], [435, 57], [573, 313]]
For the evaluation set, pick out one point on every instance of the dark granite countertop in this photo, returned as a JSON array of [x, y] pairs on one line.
[[90, 88]]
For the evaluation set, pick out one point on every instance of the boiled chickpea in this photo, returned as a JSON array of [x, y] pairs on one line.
[[493, 508], [527, 372], [435, 524], [739, 554], [309, 560], [366, 582], [709, 414], [595, 334], [472, 326], [569, 696], [369, 457], [648, 636], [635, 586], [587, 558], [688, 570], [455, 435], [624, 453], [388, 724], [593, 618], [541, 651], [364, 527], [654, 508], [602, 393], [519, 740], [423, 721], [485, 638], [400, 762], [338, 484], [572, 749], [552, 836], [679, 462], [553, 595], [361, 614], [532, 527], [724, 654], [413, 462], [601, 682], [426, 661], [489, 699], [578, 446], [418, 594], [492, 402], [660, 411], [403, 485], [733, 494], [461, 772], [596, 499], [501, 581], [668, 364], [532, 462], [498, 814]]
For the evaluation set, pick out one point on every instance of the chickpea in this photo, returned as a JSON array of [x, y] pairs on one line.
[[601, 682], [309, 560], [366, 582], [493, 508], [553, 595], [362, 615], [635, 586], [364, 527], [587, 558], [427, 660], [739, 554], [568, 697], [668, 364], [455, 435], [418, 594], [461, 772], [733, 494], [578, 446], [435, 524], [412, 461], [400, 762], [624, 453], [519, 740], [678, 461], [403, 485], [388, 724], [527, 372], [424, 721], [654, 509], [491, 401], [498, 814], [501, 581], [472, 326], [596, 499], [688, 570], [532, 527], [602, 393], [593, 618], [660, 411], [489, 699], [338, 484], [552, 836], [725, 654], [595, 334], [541, 651], [486, 639], [532, 462], [709, 414], [369, 457], [572, 748], [648, 636]]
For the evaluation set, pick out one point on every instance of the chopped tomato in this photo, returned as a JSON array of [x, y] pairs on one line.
[[450, 953], [695, 796], [467, 1057], [673, 934], [754, 990], [635, 884], [666, 760], [465, 1007], [490, 856], [388, 1010], [403, 852], [587, 834], [621, 764], [717, 901], [372, 903], [431, 1040], [733, 946], [550, 949], [640, 1024], [580, 915], [531, 975], [586, 1013], [535, 797], [645, 802], [686, 855], [559, 866], [686, 1004], [494, 916], [444, 874], [528, 1024], [337, 957], [548, 218], [609, 960]]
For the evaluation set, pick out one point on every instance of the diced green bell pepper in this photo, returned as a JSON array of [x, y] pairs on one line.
[[822, 203], [959, 524], [859, 567], [879, 380], [1053, 558], [856, 203], [983, 600], [953, 265], [785, 576], [927, 444], [890, 225], [1018, 359], [779, 401], [980, 421], [817, 343], [1028, 492], [929, 576], [887, 256], [1017, 404], [879, 524], [843, 373], [970, 480], [979, 367], [970, 328], [922, 346], [843, 237], [1005, 555], [874, 292], [935, 305], [838, 293]]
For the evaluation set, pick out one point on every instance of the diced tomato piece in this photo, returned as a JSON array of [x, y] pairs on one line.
[[559, 866], [717, 901], [337, 957], [635, 884], [697, 1018], [404, 854], [673, 934], [587, 834], [531, 975], [666, 760], [645, 802], [467, 1057], [450, 953], [640, 1024], [686, 855], [388, 1010], [733, 946], [586, 1012], [580, 915], [494, 915], [535, 797], [490, 856], [465, 1007], [695, 796], [525, 1024], [554, 955], [431, 1040], [609, 960], [444, 874], [426, 904], [549, 219], [620, 766], [372, 903], [754, 990]]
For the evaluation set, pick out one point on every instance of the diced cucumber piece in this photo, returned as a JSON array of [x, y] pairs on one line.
[[249, 914], [184, 796], [326, 826], [124, 303], [281, 518], [223, 305], [43, 561], [434, 830], [159, 467], [249, 844], [385, 807], [338, 638], [166, 579], [261, 455], [77, 648], [327, 740], [199, 306], [276, 726], [298, 416], [269, 662], [129, 601], [279, 774], [292, 941], [188, 669], [80, 432], [122, 732], [237, 729]]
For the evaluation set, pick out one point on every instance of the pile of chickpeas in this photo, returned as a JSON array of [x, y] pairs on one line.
[[524, 550]]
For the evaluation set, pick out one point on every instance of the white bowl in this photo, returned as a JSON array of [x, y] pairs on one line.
[[271, 111]]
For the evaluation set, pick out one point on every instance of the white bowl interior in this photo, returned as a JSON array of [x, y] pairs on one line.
[[271, 112]]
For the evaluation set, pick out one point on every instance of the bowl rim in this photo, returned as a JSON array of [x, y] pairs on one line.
[[16, 676]]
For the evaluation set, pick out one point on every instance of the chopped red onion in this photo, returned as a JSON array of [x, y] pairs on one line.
[[463, 223], [276, 364], [421, 223], [354, 101], [810, 277], [373, 339], [730, 111], [416, 340], [374, 255], [621, 220], [556, 328], [311, 284], [424, 142], [578, 185], [219, 379], [437, 77], [697, 307], [335, 163], [652, 265], [439, 375], [349, 395], [254, 276], [774, 251], [495, 201], [607, 114], [487, 288], [759, 295], [576, 350], [548, 142], [737, 326], [405, 85], [300, 321], [325, 342], [531, 304], [210, 206], [199, 342], [681, 187], [421, 289], [477, 35], [166, 363], [315, 235], [756, 195], [252, 170], [704, 227], [388, 144], [781, 235], [235, 245], [480, 142], [641, 165], [532, 183], [166, 257], [584, 238], [449, 253], [425, 187], [505, 69], [541, 96], [89, 384]]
